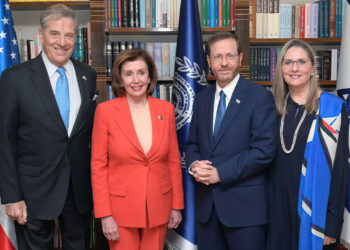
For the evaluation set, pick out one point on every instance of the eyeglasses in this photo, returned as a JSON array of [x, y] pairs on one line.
[[288, 64], [228, 57]]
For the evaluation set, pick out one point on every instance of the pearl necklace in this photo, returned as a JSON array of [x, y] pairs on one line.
[[288, 151]]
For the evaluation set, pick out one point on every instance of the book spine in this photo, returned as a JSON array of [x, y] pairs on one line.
[[124, 13], [148, 13], [120, 21], [233, 24], [109, 58], [307, 20], [115, 51], [326, 18], [321, 20], [297, 21], [216, 13], [326, 64], [204, 13], [131, 14], [332, 18], [314, 20], [154, 14], [172, 58], [137, 13], [142, 13], [302, 21], [158, 57], [334, 64], [165, 59], [259, 19], [220, 13]]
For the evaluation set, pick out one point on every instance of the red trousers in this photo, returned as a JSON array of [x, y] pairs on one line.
[[140, 238]]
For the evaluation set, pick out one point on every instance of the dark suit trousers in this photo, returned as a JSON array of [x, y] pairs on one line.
[[214, 235], [75, 229]]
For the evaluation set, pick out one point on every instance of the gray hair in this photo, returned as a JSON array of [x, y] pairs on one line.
[[56, 12]]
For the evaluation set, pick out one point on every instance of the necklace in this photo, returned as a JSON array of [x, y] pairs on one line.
[[288, 151]]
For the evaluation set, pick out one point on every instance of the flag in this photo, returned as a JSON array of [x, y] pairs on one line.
[[7, 231], [9, 56], [189, 78], [343, 89]]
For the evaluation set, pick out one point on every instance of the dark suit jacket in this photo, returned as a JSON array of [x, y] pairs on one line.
[[241, 152], [37, 158]]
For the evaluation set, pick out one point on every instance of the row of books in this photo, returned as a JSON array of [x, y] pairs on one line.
[[162, 91], [327, 63], [165, 13], [263, 63], [30, 48], [162, 53], [142, 13], [323, 18], [217, 13]]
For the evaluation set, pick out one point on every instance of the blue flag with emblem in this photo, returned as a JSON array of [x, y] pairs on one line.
[[189, 78], [9, 54], [343, 89]]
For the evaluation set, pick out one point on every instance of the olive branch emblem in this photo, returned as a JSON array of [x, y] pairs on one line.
[[192, 71]]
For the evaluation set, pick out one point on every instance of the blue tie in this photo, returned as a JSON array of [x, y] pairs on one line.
[[220, 112], [62, 96]]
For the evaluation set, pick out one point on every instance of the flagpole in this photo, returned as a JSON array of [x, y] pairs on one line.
[[189, 78]]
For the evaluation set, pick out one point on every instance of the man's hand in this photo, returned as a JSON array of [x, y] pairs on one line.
[[328, 240], [110, 228], [18, 212], [175, 219], [204, 172]]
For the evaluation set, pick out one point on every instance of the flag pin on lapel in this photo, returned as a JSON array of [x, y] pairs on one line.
[[84, 78], [238, 101], [160, 117]]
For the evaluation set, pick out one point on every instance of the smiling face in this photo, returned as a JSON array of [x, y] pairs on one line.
[[224, 61], [297, 68], [58, 39], [135, 79]]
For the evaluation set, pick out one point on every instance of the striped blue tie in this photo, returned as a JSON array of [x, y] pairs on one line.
[[62, 95], [220, 112]]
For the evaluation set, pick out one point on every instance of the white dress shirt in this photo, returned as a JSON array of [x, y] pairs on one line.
[[74, 91]]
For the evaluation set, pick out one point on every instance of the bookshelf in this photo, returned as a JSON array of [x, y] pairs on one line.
[[317, 43]]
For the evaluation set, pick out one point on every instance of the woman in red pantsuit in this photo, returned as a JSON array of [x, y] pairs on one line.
[[135, 166]]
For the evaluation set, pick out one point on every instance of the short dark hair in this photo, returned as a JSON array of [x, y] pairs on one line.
[[222, 36], [57, 11], [129, 56]]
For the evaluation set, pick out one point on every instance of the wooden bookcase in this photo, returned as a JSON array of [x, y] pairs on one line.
[[253, 41]]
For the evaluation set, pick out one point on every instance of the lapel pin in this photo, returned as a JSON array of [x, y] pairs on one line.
[[238, 101], [160, 117], [84, 78]]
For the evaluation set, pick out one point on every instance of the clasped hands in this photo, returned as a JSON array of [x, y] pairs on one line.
[[204, 172]]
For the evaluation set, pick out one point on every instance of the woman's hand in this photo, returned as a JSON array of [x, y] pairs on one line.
[[110, 228], [328, 240], [175, 219]]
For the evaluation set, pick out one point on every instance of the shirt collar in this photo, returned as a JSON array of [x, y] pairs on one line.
[[229, 88], [51, 68]]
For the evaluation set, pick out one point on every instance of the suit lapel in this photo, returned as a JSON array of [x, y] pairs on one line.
[[158, 124], [209, 114], [42, 83], [84, 93], [124, 120], [237, 101]]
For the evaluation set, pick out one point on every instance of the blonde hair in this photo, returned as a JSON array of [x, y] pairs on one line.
[[280, 87]]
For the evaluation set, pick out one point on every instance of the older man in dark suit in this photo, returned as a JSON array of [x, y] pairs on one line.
[[230, 145], [47, 109]]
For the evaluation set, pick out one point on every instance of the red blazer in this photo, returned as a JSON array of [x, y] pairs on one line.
[[125, 181]]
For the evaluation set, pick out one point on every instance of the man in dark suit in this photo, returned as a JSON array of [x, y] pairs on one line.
[[47, 107], [230, 145]]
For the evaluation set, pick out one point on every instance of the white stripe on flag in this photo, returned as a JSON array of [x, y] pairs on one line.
[[7, 225], [176, 242]]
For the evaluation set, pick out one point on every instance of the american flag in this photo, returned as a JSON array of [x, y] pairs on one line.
[[9, 53], [9, 56]]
